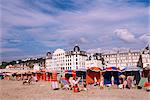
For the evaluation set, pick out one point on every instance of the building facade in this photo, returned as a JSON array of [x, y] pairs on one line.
[[75, 59], [48, 61], [78, 60], [66, 60], [58, 59], [119, 58], [145, 55], [94, 60]]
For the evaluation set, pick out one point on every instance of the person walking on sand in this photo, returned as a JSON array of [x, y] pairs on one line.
[[129, 82], [84, 86], [102, 82], [124, 84], [112, 80]]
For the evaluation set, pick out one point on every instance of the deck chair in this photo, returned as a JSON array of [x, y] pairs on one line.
[[141, 83], [65, 84], [27, 81]]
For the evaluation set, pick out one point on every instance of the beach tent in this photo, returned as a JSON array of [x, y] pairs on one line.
[[92, 73], [112, 68], [133, 71], [110, 72], [81, 73], [146, 71], [48, 76], [1, 75], [54, 82], [70, 73]]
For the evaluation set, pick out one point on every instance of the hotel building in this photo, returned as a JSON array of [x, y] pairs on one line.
[[70, 60], [78, 60], [94, 60], [145, 55], [119, 58]]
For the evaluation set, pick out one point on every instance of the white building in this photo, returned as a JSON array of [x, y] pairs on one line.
[[119, 58], [58, 59], [75, 60], [94, 60], [130, 58], [146, 56], [70, 60], [48, 61], [78, 60]]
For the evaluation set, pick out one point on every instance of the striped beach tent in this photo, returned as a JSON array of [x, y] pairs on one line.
[[111, 68]]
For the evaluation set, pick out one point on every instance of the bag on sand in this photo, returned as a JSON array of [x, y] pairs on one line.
[[141, 83]]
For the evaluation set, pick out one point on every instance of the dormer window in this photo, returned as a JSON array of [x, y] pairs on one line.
[[76, 49]]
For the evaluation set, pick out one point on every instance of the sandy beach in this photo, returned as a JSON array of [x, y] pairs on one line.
[[15, 90]]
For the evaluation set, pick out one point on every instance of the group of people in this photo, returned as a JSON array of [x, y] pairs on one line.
[[124, 82], [73, 84], [30, 79]]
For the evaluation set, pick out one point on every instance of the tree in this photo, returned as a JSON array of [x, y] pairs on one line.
[[3, 65]]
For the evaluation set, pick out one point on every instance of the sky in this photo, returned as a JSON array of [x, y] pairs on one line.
[[33, 27]]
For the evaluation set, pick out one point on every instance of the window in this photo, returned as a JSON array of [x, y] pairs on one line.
[[76, 63]]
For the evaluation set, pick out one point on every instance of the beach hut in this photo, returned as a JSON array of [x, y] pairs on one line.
[[48, 76], [70, 73], [1, 75], [54, 82], [7, 76], [111, 73], [93, 74], [81, 74], [133, 71], [146, 71], [38, 75]]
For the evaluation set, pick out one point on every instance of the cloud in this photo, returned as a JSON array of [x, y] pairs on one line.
[[145, 38], [125, 35], [4, 50], [51, 24]]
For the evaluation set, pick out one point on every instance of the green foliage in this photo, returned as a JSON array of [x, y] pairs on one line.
[[3, 65]]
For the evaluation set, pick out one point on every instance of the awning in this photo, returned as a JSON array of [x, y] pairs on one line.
[[113, 68], [132, 68], [96, 69], [81, 69], [70, 72], [122, 68]]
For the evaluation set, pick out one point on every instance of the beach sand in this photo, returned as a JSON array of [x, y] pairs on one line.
[[15, 90]]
